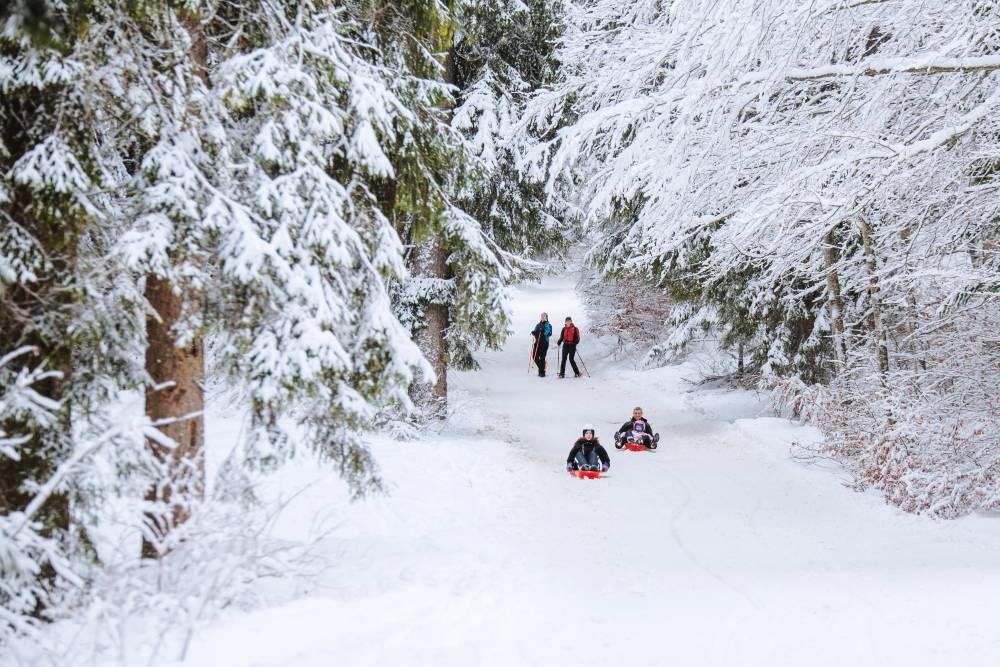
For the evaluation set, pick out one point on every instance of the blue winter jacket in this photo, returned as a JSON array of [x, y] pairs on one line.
[[543, 328]]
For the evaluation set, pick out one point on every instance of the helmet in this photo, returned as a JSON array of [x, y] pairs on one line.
[[588, 427]]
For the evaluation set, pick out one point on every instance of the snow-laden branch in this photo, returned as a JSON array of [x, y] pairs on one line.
[[871, 67]]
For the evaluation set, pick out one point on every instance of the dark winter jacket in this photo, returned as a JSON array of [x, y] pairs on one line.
[[629, 426], [587, 446], [544, 327], [569, 335]]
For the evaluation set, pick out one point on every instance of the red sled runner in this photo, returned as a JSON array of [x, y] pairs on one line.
[[585, 474]]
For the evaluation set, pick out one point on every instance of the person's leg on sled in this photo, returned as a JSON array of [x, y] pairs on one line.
[[587, 460]]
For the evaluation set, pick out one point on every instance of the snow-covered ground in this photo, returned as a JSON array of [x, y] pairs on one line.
[[718, 549]]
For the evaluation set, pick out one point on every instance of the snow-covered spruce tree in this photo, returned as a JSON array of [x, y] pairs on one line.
[[453, 301], [314, 121], [44, 218], [817, 182], [504, 54], [62, 323], [258, 136], [32, 552]]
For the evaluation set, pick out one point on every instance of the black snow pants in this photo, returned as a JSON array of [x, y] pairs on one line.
[[568, 351], [541, 349]]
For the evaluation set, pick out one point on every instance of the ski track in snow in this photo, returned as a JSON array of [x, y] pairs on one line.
[[717, 549]]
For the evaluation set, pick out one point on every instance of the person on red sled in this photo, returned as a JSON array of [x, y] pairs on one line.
[[638, 427], [587, 453]]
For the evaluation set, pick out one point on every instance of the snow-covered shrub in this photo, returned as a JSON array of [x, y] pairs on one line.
[[629, 311], [126, 610], [44, 565], [926, 434], [222, 557]]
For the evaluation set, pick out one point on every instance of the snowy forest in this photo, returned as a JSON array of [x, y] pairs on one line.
[[316, 213]]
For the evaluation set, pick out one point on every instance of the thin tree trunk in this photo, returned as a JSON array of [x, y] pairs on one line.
[[912, 316], [834, 298], [177, 372], [875, 299]]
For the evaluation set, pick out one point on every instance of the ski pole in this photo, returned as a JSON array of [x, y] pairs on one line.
[[532, 357], [583, 363]]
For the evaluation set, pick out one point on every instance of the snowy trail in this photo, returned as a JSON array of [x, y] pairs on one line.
[[715, 550]]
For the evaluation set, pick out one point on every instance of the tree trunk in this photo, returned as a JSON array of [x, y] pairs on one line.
[[875, 299], [429, 261], [177, 372], [834, 298]]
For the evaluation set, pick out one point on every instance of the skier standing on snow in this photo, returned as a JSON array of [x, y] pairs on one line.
[[542, 332], [638, 426], [586, 453], [570, 335]]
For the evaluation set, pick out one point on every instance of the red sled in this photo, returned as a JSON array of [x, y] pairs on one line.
[[634, 446], [585, 474]]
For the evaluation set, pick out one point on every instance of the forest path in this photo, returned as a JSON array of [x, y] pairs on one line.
[[717, 549]]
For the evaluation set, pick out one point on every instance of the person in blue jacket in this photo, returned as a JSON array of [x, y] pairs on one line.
[[542, 332]]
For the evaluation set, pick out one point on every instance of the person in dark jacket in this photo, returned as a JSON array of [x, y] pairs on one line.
[[569, 338], [542, 332], [638, 426], [588, 453]]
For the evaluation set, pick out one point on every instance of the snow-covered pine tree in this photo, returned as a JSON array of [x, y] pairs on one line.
[[44, 169], [454, 300], [67, 318], [313, 122], [503, 56], [252, 203]]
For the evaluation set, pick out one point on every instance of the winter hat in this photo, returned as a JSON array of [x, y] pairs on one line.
[[589, 427]]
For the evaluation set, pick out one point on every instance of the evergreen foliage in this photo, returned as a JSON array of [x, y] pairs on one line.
[[272, 165]]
